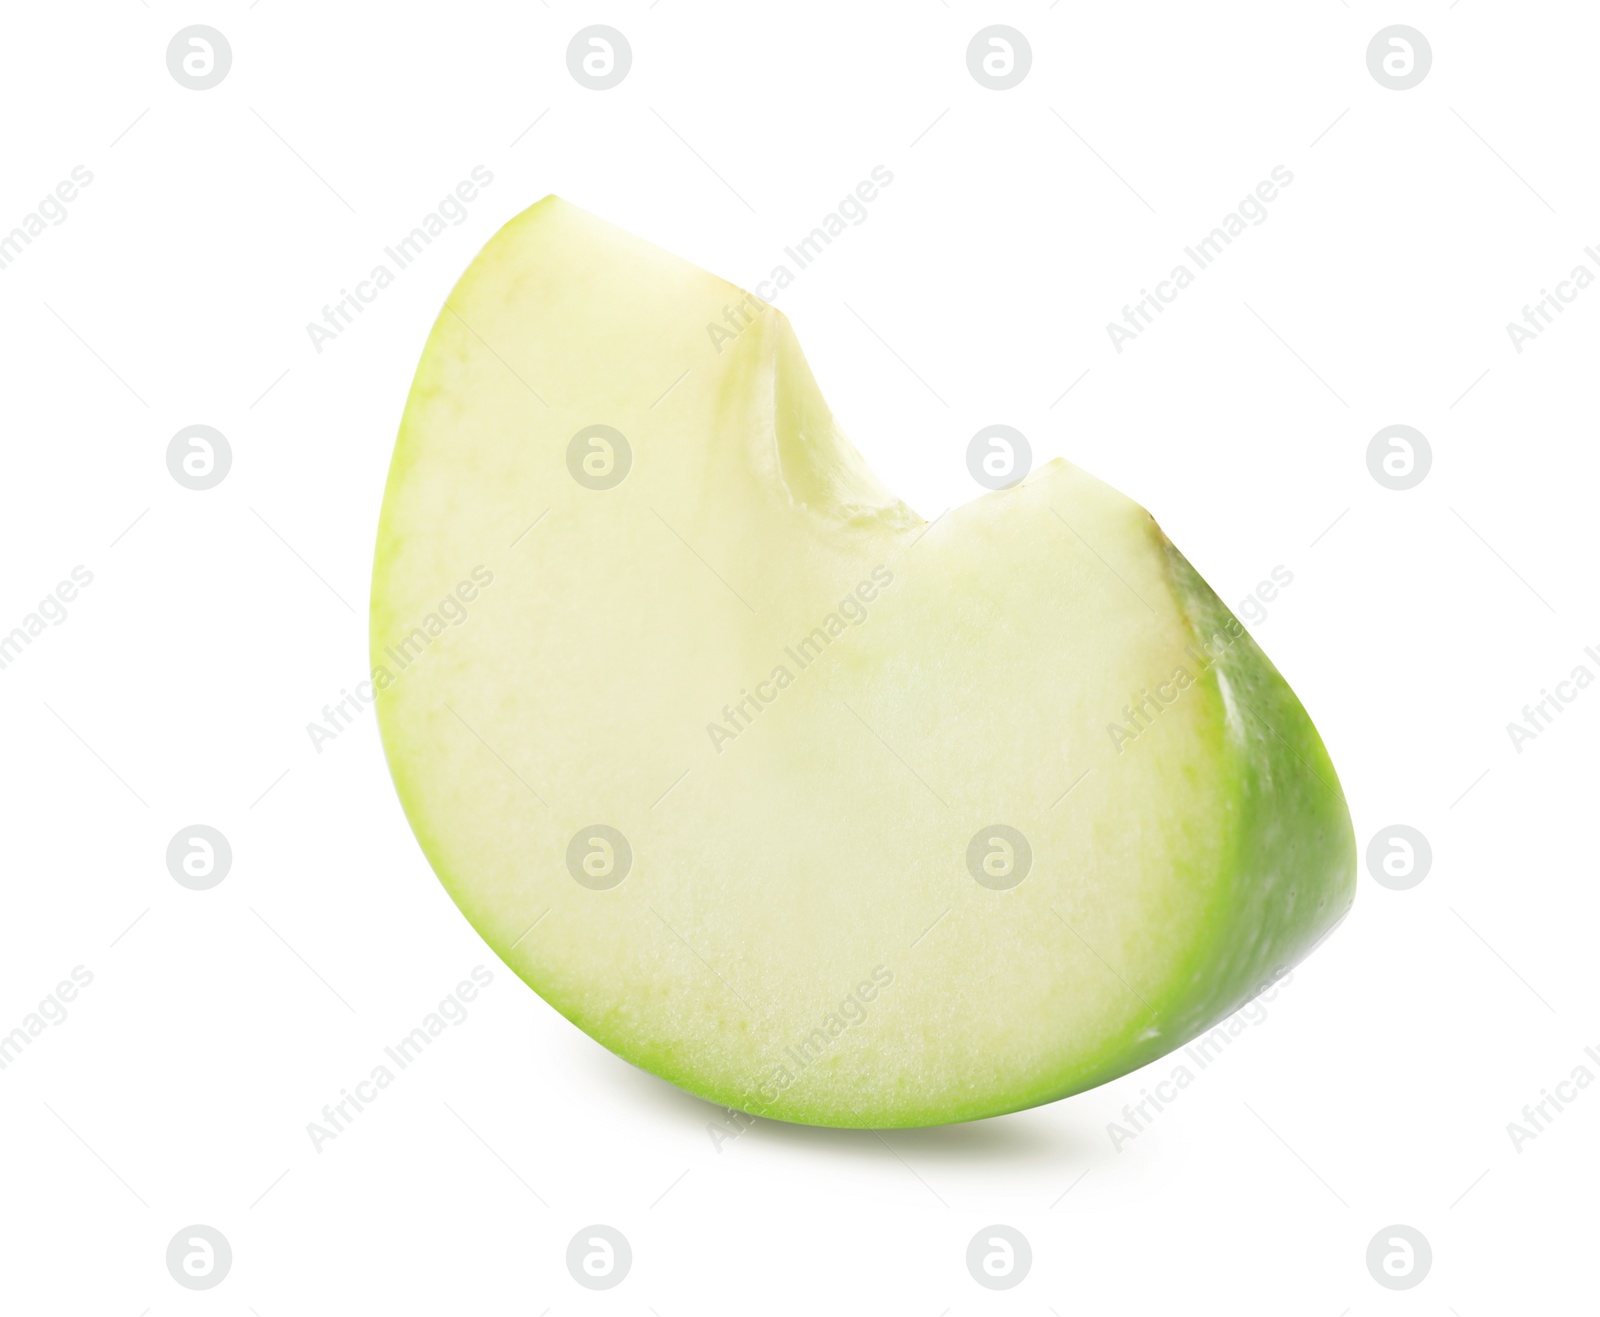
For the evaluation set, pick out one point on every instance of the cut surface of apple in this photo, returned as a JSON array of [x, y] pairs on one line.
[[809, 806]]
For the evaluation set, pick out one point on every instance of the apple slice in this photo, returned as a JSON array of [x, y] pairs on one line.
[[813, 808]]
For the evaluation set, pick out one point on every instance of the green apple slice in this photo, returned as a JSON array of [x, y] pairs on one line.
[[818, 810]]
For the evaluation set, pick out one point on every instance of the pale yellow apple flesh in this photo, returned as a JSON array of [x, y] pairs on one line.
[[808, 727]]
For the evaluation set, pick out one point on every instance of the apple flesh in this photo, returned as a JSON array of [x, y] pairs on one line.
[[808, 806]]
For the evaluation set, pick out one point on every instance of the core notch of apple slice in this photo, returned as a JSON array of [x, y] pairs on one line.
[[815, 809]]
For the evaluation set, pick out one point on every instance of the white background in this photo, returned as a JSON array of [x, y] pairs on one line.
[[1379, 1085]]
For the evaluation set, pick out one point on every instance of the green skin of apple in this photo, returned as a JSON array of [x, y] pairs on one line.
[[799, 934]]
